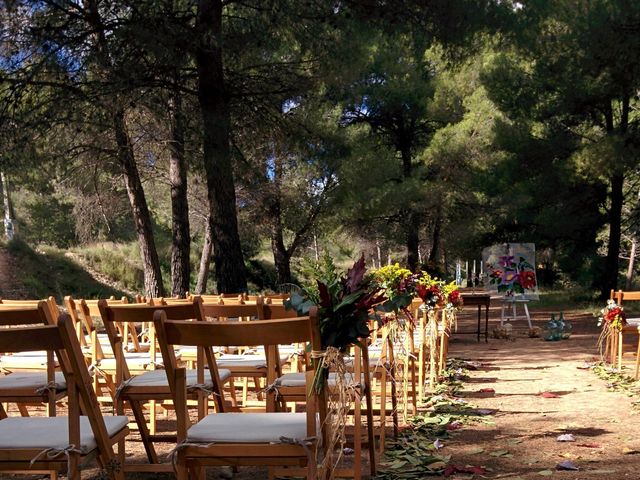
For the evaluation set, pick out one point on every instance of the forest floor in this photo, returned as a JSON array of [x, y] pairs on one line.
[[536, 391], [539, 391]]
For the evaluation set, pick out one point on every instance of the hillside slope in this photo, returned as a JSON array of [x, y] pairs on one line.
[[10, 283]]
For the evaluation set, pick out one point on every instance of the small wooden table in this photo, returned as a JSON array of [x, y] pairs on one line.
[[479, 299]]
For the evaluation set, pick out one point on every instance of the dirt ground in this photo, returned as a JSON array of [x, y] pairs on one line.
[[521, 442]]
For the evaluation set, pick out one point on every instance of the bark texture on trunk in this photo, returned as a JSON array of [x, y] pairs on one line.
[[214, 106], [180, 239], [153, 286], [205, 260], [281, 256], [412, 222], [615, 229], [435, 238]]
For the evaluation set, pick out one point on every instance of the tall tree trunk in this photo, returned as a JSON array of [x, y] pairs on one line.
[[412, 223], [435, 241], [214, 106], [281, 255], [6, 202], [205, 259], [180, 239], [142, 218], [613, 245]]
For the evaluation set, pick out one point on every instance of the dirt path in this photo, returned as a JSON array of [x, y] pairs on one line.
[[10, 285], [522, 444]]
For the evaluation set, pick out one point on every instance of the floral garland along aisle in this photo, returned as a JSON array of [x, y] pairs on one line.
[[345, 305], [401, 287], [612, 320]]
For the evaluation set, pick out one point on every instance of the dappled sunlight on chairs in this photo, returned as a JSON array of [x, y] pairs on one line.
[[140, 383], [45, 444], [273, 439]]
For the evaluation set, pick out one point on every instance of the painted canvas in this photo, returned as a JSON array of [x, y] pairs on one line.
[[510, 270]]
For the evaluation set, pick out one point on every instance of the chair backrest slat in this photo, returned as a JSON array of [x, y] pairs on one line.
[[30, 339], [265, 332]]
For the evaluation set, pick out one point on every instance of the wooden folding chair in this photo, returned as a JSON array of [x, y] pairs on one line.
[[32, 379], [96, 346], [45, 444], [617, 347], [247, 363], [138, 384], [292, 387], [274, 439]]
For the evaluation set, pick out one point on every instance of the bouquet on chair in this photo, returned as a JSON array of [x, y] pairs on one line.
[[344, 303], [612, 319]]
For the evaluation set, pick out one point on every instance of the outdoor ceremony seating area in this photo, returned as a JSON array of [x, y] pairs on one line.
[[211, 380]]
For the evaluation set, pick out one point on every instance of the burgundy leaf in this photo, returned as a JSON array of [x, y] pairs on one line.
[[325, 298], [355, 275], [549, 395], [451, 469]]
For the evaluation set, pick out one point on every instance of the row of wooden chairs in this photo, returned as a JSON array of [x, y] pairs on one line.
[[147, 386], [135, 392], [274, 439]]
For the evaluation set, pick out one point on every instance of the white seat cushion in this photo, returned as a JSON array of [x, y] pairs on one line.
[[298, 379], [158, 378], [245, 361], [51, 432], [634, 322], [28, 361], [248, 428], [135, 361], [33, 380]]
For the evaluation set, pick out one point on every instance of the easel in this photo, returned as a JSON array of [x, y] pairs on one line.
[[514, 300]]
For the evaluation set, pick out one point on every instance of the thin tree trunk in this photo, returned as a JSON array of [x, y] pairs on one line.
[[142, 218], [205, 259], [214, 106], [632, 261], [8, 218], [180, 239], [316, 247], [437, 232]]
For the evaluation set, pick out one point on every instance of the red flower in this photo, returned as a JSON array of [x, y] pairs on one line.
[[613, 314], [496, 274], [528, 279]]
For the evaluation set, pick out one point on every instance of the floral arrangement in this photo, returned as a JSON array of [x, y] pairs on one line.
[[612, 316], [399, 286], [344, 303], [510, 277]]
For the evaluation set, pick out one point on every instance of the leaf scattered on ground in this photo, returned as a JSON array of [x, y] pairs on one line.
[[549, 395], [588, 445], [567, 465], [475, 470], [499, 453], [475, 451]]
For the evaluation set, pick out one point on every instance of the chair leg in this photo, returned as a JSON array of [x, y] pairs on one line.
[[635, 375], [152, 417], [138, 414], [620, 343]]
